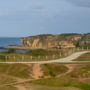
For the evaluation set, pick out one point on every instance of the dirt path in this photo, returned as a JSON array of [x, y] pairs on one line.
[[36, 71], [20, 87], [70, 69]]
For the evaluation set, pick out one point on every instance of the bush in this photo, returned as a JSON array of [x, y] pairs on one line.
[[2, 57], [11, 50], [38, 52]]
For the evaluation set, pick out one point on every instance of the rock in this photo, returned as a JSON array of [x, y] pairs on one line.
[[48, 41]]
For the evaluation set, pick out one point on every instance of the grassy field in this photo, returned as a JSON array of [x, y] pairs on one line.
[[16, 70], [85, 57], [53, 69], [72, 79], [62, 82], [24, 71], [81, 71]]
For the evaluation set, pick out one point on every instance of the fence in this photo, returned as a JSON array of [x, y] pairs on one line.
[[13, 57]]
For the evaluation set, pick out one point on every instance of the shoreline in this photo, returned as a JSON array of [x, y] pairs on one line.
[[16, 47]]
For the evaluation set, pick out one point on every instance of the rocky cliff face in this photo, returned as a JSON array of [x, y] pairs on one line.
[[56, 41]]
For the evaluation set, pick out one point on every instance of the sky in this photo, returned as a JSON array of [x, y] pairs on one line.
[[20, 18]]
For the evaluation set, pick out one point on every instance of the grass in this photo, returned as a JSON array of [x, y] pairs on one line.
[[85, 46], [8, 88], [6, 80], [53, 69], [24, 71], [62, 82], [17, 70], [81, 71], [85, 57], [38, 52], [72, 79]]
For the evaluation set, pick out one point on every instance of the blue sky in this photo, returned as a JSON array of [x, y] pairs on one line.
[[20, 18]]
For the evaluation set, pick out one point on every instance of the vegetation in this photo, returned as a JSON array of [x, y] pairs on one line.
[[11, 50], [81, 71], [2, 57], [62, 82], [85, 57], [4, 79], [86, 46], [53, 69], [42, 52], [38, 52], [16, 70]]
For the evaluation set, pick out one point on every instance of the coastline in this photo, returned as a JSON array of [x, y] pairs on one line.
[[16, 47]]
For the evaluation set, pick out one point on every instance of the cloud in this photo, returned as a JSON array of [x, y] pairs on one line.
[[83, 3]]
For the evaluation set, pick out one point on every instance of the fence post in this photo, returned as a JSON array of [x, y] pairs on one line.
[[38, 57], [23, 58], [31, 57], [46, 57], [53, 56], [14, 57], [87, 48], [82, 48], [6, 58], [60, 55]]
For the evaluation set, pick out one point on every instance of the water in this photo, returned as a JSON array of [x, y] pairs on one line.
[[10, 41]]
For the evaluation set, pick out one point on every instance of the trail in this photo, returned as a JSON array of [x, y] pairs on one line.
[[70, 69]]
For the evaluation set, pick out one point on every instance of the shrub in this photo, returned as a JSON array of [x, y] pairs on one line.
[[11, 50], [38, 52]]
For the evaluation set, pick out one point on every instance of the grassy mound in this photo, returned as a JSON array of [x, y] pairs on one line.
[[53, 69], [85, 57]]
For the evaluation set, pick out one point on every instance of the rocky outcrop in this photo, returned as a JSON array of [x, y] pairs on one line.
[[56, 41]]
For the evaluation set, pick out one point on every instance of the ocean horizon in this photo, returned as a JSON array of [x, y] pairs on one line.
[[6, 41]]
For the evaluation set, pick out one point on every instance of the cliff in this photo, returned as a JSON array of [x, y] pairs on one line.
[[56, 41]]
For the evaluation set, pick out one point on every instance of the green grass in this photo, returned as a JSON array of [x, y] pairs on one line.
[[85, 46], [85, 57], [53, 69], [81, 71], [2, 57], [38, 52], [62, 82], [42, 52], [17, 70]]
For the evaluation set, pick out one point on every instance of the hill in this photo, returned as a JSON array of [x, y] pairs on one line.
[[59, 41]]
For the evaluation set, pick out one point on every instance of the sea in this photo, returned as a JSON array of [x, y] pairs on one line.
[[9, 41]]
